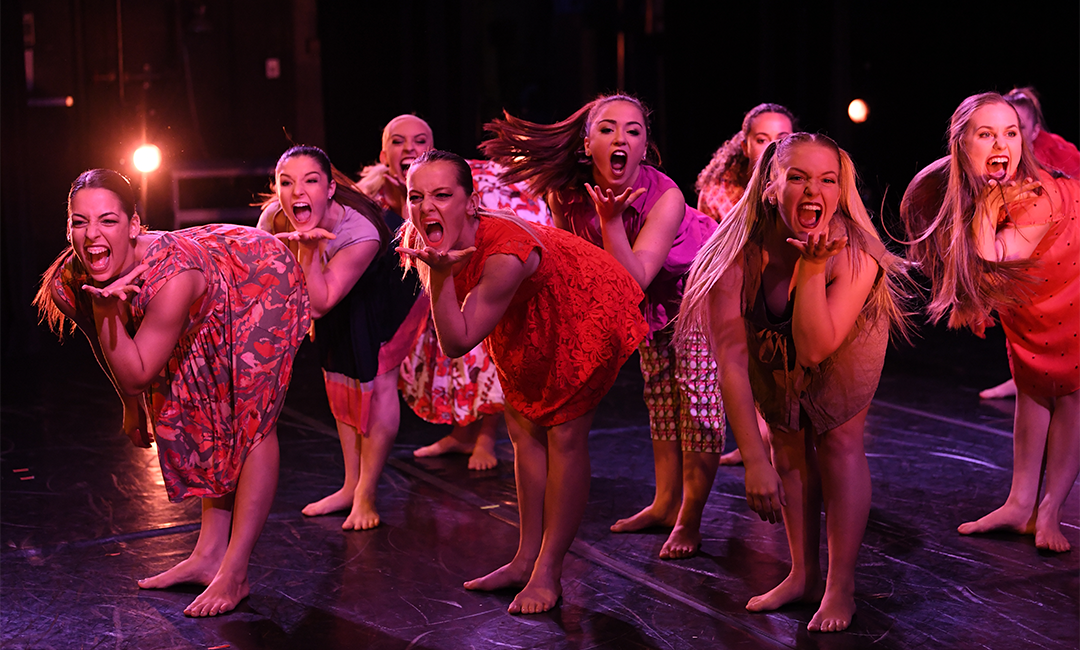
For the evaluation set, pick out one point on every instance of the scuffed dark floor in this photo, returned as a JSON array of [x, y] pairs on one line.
[[84, 514]]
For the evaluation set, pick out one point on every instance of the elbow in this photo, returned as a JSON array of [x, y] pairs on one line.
[[812, 358], [454, 351], [133, 386]]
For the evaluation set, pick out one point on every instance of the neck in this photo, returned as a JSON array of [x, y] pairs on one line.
[[334, 212], [775, 242]]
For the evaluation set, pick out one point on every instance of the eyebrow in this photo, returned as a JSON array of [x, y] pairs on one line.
[[803, 171], [103, 214], [988, 126], [614, 122]]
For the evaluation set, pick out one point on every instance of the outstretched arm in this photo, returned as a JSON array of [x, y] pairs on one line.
[[727, 335], [826, 308], [645, 258], [329, 282]]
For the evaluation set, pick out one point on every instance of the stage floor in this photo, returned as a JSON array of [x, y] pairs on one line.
[[84, 514]]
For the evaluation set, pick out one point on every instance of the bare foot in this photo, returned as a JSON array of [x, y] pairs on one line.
[[340, 500], [1007, 517], [834, 615], [681, 543], [540, 595], [194, 570], [792, 589], [363, 516], [223, 595], [447, 445], [1002, 390], [1048, 535], [731, 458], [482, 459], [505, 577], [650, 517]]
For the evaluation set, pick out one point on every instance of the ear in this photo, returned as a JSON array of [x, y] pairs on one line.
[[587, 152], [136, 226], [333, 188], [473, 204], [769, 195], [382, 158], [67, 231], [745, 146]]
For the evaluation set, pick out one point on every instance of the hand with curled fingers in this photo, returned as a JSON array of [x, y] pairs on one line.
[[608, 206], [997, 195], [818, 248], [765, 492], [441, 262], [122, 288]]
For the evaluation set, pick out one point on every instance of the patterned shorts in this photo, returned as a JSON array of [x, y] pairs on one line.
[[682, 392]]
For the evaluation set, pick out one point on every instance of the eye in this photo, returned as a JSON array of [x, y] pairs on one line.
[[397, 140], [762, 140], [830, 181], [794, 177], [443, 195], [1011, 134], [605, 129], [983, 134], [110, 221], [634, 132], [414, 198], [284, 184], [78, 223]]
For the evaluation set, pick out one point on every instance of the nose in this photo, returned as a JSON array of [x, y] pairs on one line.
[[92, 230]]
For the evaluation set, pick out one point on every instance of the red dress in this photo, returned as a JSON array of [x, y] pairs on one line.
[[1044, 352], [569, 327], [223, 388]]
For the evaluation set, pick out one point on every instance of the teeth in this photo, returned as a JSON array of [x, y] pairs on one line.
[[999, 160]]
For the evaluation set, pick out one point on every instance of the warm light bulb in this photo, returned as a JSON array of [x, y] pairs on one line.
[[857, 110], [147, 158]]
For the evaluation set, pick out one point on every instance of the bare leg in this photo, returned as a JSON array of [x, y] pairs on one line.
[[795, 460], [565, 496], [375, 447], [735, 457], [483, 453], [254, 496], [203, 563], [343, 498], [1062, 466], [664, 510], [699, 471], [530, 473], [845, 489], [1006, 388], [1030, 426]]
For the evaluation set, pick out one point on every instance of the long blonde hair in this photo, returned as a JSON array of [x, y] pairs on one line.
[[752, 216], [964, 285]]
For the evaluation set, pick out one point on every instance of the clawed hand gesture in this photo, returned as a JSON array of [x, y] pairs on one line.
[[608, 206], [136, 427], [997, 195], [439, 261], [818, 247], [122, 288]]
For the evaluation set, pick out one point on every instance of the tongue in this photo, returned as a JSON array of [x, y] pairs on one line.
[[998, 171], [808, 218], [618, 163], [434, 233]]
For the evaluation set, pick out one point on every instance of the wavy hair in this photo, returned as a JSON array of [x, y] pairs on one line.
[[551, 157], [729, 163], [752, 216], [963, 284]]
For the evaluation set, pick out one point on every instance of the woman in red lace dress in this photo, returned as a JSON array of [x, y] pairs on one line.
[[197, 329], [559, 317]]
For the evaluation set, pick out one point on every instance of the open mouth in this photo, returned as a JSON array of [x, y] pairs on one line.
[[97, 258], [810, 215], [618, 162], [405, 164], [301, 212], [433, 232], [998, 167]]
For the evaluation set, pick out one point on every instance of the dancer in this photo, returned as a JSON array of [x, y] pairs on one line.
[[359, 300], [798, 293], [722, 183], [1005, 238], [639, 216], [197, 330], [559, 316], [1054, 153]]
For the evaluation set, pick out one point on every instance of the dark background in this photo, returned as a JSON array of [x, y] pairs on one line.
[[194, 76]]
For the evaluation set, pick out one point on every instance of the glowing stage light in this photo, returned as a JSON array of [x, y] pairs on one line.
[[857, 110], [147, 158]]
